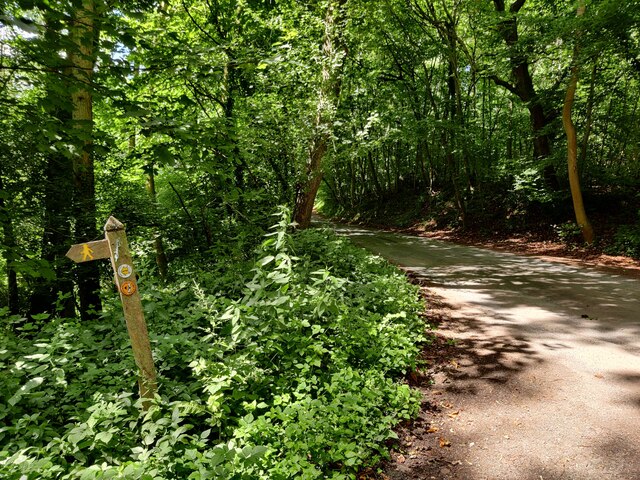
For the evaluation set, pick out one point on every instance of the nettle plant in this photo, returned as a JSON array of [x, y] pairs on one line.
[[296, 377]]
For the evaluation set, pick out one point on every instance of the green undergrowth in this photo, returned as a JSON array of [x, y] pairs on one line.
[[288, 368]]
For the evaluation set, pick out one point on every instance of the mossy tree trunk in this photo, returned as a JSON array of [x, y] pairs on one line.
[[82, 54]]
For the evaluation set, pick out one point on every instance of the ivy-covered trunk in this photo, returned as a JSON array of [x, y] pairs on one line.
[[57, 191], [56, 238]]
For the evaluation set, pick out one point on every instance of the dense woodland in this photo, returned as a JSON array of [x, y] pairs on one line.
[[211, 128]]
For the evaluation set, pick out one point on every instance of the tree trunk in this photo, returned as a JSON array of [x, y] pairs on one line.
[[230, 80], [524, 89], [9, 241], [454, 112], [161, 257], [83, 34], [57, 200], [605, 133], [374, 175], [420, 161], [323, 125], [572, 147]]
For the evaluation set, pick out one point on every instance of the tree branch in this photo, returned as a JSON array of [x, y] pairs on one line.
[[504, 84], [193, 20], [201, 91], [184, 207], [517, 5]]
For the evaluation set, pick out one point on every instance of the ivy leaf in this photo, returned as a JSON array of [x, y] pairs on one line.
[[30, 385], [104, 437]]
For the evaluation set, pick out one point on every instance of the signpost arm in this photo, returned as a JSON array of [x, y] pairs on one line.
[[127, 286]]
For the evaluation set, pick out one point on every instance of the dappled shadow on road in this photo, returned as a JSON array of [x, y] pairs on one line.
[[535, 371], [557, 302], [465, 361], [631, 380], [485, 384], [474, 353], [596, 465]]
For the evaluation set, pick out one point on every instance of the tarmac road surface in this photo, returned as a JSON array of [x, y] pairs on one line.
[[546, 384]]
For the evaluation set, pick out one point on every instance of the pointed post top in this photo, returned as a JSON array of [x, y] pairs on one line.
[[113, 225]]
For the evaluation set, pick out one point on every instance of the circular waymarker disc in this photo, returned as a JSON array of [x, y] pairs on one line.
[[125, 270], [128, 288]]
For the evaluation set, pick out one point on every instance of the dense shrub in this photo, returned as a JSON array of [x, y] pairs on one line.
[[293, 378], [626, 241]]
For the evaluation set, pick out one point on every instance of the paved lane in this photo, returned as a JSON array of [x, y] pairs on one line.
[[548, 377]]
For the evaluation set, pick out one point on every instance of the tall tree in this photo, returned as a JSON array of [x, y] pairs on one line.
[[333, 55], [572, 142], [58, 188], [445, 24], [82, 52], [522, 85], [8, 246]]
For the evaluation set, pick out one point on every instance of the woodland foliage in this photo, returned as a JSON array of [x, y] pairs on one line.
[[281, 367], [206, 115], [192, 121]]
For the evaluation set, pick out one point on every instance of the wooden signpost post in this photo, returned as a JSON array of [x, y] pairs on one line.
[[115, 246]]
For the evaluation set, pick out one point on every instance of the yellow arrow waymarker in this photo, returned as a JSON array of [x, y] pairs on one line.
[[115, 247], [85, 252]]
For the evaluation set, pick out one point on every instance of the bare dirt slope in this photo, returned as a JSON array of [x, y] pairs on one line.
[[537, 369]]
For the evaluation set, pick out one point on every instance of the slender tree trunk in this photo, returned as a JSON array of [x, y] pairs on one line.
[[454, 115], [161, 257], [604, 135], [432, 169], [333, 58], [230, 80], [394, 151], [9, 241], [420, 161], [387, 169], [510, 137], [374, 175], [352, 183], [84, 35], [363, 184], [572, 147], [332, 191]]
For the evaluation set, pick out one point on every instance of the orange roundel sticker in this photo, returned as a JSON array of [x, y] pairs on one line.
[[128, 288]]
